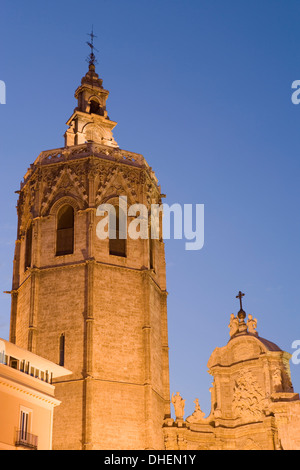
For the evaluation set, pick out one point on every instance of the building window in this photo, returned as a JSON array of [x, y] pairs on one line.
[[24, 437], [28, 247], [62, 350], [24, 425], [117, 244], [14, 363], [65, 231]]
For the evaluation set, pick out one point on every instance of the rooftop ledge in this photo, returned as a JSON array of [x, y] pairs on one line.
[[25, 361]]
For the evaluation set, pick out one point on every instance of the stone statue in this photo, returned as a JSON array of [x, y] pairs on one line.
[[233, 325], [252, 324], [197, 415], [179, 404]]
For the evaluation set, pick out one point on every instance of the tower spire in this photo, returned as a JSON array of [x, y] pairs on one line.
[[90, 121]]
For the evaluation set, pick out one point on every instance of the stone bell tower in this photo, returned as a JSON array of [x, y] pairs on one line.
[[98, 307]]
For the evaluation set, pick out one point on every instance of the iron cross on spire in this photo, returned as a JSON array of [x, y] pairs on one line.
[[240, 296], [91, 58]]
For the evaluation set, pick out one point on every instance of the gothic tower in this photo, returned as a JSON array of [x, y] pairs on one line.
[[96, 306]]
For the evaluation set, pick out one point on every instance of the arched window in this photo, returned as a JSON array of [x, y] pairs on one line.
[[62, 350], [28, 247], [65, 231], [117, 245]]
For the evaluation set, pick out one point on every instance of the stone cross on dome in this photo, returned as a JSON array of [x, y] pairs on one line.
[[241, 313], [240, 296], [238, 325]]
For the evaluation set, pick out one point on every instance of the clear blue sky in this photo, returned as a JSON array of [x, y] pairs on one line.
[[203, 90]]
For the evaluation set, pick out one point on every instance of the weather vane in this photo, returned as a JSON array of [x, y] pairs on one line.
[[91, 59]]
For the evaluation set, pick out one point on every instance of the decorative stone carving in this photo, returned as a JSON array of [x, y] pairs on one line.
[[66, 183], [114, 184], [277, 380], [249, 444], [249, 401]]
